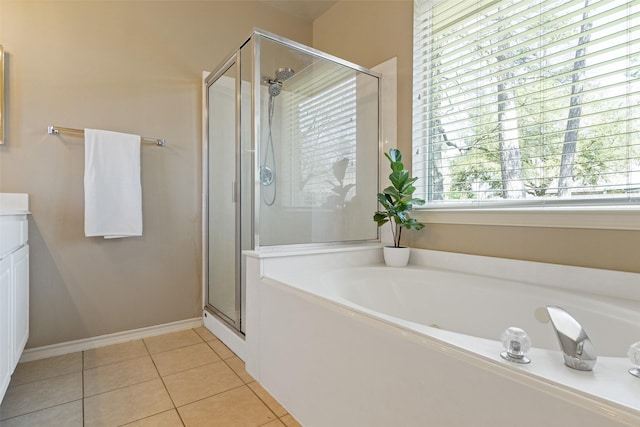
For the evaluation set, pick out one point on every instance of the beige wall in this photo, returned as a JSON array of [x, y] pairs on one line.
[[369, 32], [129, 66]]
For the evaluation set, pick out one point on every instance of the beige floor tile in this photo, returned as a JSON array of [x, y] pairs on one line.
[[33, 396], [172, 341], [205, 334], [289, 421], [223, 351], [114, 353], [238, 367], [121, 383], [117, 375], [46, 368], [198, 383], [127, 404], [235, 408], [181, 359], [264, 395], [65, 415], [274, 423], [164, 419]]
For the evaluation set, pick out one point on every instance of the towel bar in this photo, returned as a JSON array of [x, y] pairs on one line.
[[55, 130]]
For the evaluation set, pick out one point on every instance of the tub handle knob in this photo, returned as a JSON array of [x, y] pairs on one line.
[[634, 357], [517, 343]]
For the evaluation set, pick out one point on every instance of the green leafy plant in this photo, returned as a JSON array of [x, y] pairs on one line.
[[397, 200]]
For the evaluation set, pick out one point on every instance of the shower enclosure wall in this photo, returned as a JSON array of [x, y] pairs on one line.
[[290, 157]]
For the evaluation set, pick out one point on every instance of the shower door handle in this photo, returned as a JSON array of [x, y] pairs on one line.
[[234, 192]]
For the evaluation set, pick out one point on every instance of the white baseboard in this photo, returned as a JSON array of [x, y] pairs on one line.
[[104, 340]]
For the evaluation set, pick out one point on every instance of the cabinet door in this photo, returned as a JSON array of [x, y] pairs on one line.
[[6, 325], [20, 267]]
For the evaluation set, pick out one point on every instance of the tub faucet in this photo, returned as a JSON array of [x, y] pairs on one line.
[[577, 350]]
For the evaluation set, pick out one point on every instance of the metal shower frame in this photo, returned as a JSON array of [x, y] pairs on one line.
[[255, 38]]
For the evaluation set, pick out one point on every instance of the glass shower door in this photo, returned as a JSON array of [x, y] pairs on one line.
[[223, 295]]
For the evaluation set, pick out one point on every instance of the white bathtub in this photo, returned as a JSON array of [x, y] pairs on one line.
[[478, 306], [341, 340]]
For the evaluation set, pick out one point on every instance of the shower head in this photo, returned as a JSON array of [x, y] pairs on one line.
[[275, 84], [275, 87], [283, 74]]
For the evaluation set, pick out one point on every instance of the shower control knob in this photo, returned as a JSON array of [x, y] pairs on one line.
[[634, 357], [266, 175], [517, 343]]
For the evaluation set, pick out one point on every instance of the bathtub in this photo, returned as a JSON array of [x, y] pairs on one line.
[[341, 340]]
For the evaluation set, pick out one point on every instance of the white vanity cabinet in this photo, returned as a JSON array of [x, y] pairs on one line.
[[6, 315], [20, 271], [14, 293]]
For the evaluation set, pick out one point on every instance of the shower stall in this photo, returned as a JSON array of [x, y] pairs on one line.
[[290, 157]]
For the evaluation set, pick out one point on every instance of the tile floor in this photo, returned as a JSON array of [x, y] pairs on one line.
[[187, 378]]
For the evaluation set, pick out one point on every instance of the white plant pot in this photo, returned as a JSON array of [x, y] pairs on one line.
[[396, 257]]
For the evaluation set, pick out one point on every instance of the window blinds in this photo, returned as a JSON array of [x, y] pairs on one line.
[[527, 101]]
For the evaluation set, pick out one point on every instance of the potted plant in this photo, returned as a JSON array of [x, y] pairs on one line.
[[397, 201]]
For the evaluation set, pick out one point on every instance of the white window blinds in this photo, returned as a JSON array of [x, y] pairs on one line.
[[527, 101]]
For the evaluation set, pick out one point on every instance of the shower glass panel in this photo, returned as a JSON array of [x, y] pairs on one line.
[[290, 157], [318, 158], [222, 204]]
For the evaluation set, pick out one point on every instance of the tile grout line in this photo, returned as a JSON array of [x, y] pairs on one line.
[[246, 384], [39, 410], [47, 407], [264, 403], [122, 386], [212, 395], [196, 366], [244, 380], [175, 408], [162, 380], [45, 378], [129, 359], [279, 418], [206, 397]]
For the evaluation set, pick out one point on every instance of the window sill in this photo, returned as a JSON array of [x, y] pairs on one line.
[[610, 218]]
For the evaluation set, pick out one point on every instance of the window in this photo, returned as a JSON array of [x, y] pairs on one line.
[[527, 102]]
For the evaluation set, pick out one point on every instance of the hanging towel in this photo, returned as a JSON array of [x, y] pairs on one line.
[[112, 189]]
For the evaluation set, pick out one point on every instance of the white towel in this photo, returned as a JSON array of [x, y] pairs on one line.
[[112, 189]]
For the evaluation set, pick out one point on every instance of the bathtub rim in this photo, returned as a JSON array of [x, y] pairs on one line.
[[595, 281]]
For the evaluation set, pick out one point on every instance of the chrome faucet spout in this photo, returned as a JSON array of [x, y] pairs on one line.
[[577, 350]]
